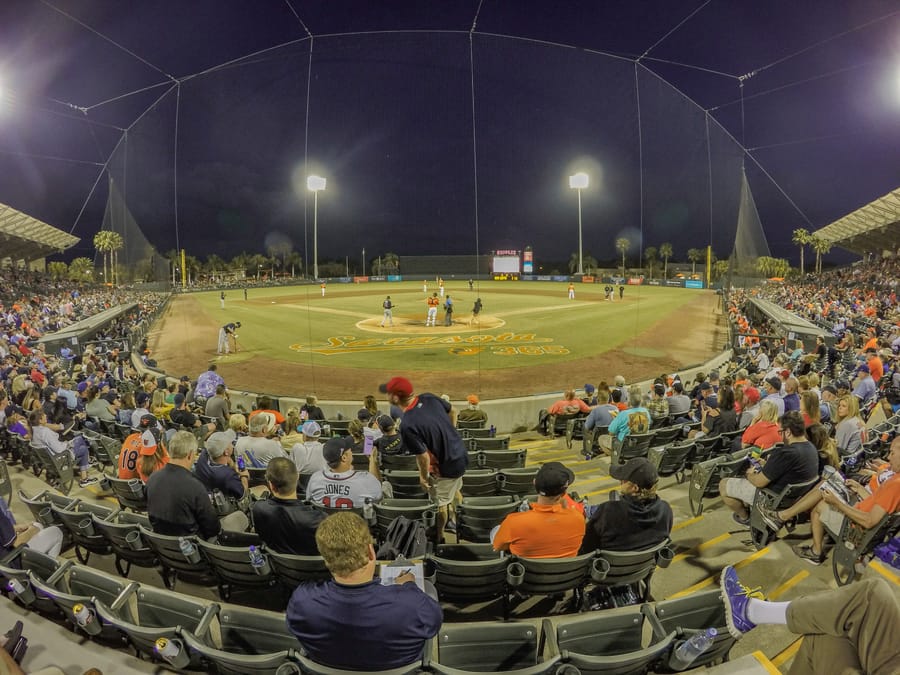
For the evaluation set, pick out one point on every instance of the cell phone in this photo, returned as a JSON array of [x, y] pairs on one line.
[[240, 463], [367, 446]]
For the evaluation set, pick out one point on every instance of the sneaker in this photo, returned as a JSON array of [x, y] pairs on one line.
[[806, 553], [736, 597], [770, 518], [741, 521], [84, 482]]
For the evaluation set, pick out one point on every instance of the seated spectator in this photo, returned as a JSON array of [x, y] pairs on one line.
[[130, 454], [77, 448], [791, 396], [285, 523], [634, 420], [854, 629], [603, 414], [638, 520], [659, 404], [618, 399], [123, 416], [264, 404], [153, 455], [293, 425], [183, 417], [589, 395], [828, 404], [177, 502], [764, 432], [679, 402], [141, 400], [750, 406], [833, 510], [472, 413], [797, 461], [772, 386], [218, 406], [99, 407], [849, 430], [237, 427], [355, 622], [356, 428], [312, 409], [864, 386], [46, 540], [809, 408], [550, 528], [158, 405], [717, 415], [259, 448], [307, 456], [569, 405], [339, 486], [216, 468]]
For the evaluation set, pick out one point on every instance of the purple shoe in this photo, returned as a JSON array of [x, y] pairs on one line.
[[736, 597]]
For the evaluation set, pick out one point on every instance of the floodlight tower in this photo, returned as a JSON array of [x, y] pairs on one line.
[[315, 184], [578, 182]]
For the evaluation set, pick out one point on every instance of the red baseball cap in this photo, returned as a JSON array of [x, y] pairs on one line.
[[397, 385]]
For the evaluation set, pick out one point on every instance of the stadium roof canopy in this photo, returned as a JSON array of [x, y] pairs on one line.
[[873, 228], [25, 238]]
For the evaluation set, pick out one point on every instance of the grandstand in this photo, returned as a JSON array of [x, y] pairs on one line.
[[25, 240], [871, 229]]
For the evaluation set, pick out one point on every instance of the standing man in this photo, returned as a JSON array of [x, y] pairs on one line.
[[428, 433], [388, 311], [225, 332], [621, 291], [571, 291], [222, 299], [476, 310], [245, 292], [441, 286], [433, 303], [471, 285], [448, 311], [322, 286]]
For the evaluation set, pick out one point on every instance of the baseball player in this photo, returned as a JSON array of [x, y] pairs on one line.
[[338, 486], [441, 286], [571, 291], [433, 303], [388, 311], [224, 332]]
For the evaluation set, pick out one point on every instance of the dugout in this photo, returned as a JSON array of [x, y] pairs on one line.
[[787, 322], [79, 334]]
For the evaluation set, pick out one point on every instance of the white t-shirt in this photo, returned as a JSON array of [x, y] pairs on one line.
[[263, 449], [308, 457], [348, 489]]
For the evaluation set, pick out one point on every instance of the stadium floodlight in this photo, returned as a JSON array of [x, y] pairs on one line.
[[578, 182], [315, 184]]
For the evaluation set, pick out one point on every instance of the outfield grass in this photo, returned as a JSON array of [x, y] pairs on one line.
[[541, 326]]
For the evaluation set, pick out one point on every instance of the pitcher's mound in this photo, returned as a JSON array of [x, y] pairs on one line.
[[404, 324]]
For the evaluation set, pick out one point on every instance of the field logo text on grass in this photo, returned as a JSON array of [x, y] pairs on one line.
[[504, 344]]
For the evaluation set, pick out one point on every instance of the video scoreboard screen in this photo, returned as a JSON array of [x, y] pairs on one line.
[[506, 262]]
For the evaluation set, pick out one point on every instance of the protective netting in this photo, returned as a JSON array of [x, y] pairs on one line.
[[416, 137]]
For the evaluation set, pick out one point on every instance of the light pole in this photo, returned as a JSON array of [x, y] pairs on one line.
[[364, 263], [315, 183], [578, 182]]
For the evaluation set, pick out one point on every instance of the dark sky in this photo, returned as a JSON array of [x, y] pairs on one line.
[[435, 141]]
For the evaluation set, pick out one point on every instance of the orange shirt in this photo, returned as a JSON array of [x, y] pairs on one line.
[[887, 497], [876, 368], [545, 531], [128, 457]]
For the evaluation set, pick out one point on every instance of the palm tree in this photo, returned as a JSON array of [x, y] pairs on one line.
[[720, 269], [573, 263], [590, 263], [695, 255], [650, 257], [622, 245], [665, 251], [801, 238], [391, 262], [103, 244], [116, 244], [57, 270], [81, 269], [821, 246]]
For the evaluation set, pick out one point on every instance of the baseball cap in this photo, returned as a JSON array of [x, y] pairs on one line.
[[312, 429], [864, 368], [82, 386], [262, 422], [711, 401], [334, 449], [659, 389], [842, 383], [752, 394], [397, 385], [140, 398], [363, 415], [589, 388], [148, 420], [553, 479], [706, 386], [385, 422], [638, 470], [148, 443], [111, 396], [217, 443], [774, 382], [829, 388], [179, 399], [473, 399]]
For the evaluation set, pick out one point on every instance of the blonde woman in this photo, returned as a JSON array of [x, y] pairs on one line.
[[158, 405], [809, 407], [293, 423], [850, 430], [763, 431], [237, 427]]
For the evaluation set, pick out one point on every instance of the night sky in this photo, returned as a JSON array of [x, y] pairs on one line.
[[380, 101]]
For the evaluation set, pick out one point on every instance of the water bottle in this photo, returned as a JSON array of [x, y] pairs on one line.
[[368, 510], [258, 561], [84, 617], [240, 463], [188, 550], [688, 651], [493, 431], [172, 651]]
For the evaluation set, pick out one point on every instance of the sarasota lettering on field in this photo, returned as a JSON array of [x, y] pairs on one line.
[[504, 344]]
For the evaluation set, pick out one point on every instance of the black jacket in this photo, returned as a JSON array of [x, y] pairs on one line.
[[178, 504], [287, 525], [628, 524]]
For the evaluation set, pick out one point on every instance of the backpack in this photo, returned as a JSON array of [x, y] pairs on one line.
[[638, 422], [403, 537]]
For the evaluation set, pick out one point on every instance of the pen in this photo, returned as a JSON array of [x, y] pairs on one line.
[[406, 571]]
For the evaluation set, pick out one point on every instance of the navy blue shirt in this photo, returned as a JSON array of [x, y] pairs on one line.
[[218, 476], [426, 427], [364, 627]]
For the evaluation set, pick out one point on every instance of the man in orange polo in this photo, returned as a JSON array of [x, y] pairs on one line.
[[550, 528]]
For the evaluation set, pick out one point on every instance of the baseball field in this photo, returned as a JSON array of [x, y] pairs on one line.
[[529, 338]]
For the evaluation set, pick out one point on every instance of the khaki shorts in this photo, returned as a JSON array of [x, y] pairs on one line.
[[832, 519], [446, 489], [740, 488]]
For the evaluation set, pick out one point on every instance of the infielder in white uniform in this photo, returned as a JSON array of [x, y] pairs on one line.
[[224, 332], [339, 486]]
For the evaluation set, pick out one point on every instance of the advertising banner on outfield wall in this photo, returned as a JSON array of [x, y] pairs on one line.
[[635, 281], [693, 283], [654, 282], [360, 280], [674, 283], [587, 279], [395, 277]]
